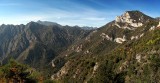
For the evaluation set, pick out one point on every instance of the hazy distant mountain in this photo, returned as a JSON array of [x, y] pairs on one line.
[[158, 18], [47, 23]]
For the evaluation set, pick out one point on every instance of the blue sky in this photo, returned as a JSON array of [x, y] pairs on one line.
[[72, 12]]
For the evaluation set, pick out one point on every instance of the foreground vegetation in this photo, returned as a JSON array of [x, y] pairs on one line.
[[14, 72]]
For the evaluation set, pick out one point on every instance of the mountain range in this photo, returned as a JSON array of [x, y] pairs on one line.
[[124, 50]]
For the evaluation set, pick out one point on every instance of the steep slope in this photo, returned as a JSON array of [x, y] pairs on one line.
[[36, 44], [100, 55]]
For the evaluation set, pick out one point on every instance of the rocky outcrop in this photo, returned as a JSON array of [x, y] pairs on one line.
[[138, 57], [155, 27], [120, 40], [95, 68], [131, 20], [63, 71], [117, 40], [77, 48], [126, 18], [105, 36], [137, 36], [152, 28]]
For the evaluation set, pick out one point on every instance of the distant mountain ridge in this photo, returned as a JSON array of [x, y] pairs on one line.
[[36, 44], [48, 23], [157, 18]]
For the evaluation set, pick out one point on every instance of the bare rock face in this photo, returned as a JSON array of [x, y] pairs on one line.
[[152, 28], [63, 71], [105, 36], [126, 18], [137, 36], [158, 24], [131, 20], [119, 40]]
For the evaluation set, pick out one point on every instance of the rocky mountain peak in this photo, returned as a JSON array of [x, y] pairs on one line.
[[132, 19]]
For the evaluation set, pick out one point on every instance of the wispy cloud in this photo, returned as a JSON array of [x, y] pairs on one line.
[[84, 15], [70, 14], [10, 4], [95, 18]]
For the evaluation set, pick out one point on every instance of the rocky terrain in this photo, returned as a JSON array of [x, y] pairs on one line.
[[125, 50]]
